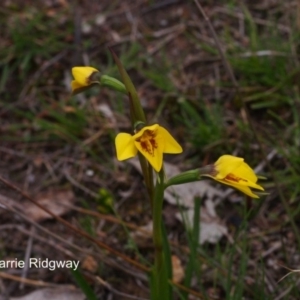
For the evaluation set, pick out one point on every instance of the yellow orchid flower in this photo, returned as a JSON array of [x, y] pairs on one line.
[[233, 171], [82, 77], [150, 141]]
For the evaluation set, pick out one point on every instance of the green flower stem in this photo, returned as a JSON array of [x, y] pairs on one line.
[[184, 177], [160, 281], [150, 185], [137, 112], [148, 176], [193, 239], [113, 84]]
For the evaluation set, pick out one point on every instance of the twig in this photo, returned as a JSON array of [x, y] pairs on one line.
[[192, 292], [219, 47], [39, 73], [241, 16], [74, 229], [116, 292], [166, 40], [27, 256], [64, 241], [39, 283], [271, 284], [284, 293], [158, 5], [80, 186]]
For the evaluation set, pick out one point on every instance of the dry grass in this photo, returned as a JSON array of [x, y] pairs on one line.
[[51, 141]]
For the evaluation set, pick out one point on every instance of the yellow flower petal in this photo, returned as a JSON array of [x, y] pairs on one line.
[[154, 155], [75, 85], [150, 144], [82, 76], [246, 172], [225, 164], [151, 141], [140, 133], [170, 144], [233, 171], [125, 146], [245, 189]]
